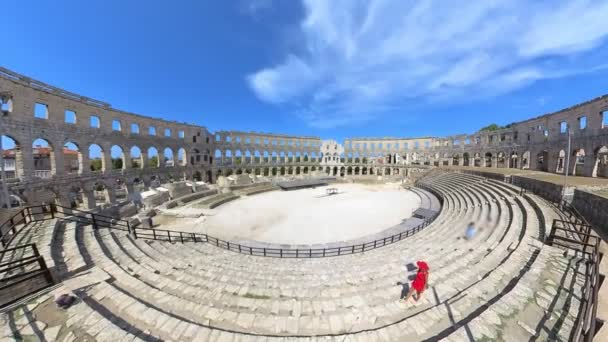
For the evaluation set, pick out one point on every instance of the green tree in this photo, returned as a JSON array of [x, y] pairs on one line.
[[96, 164], [492, 127], [117, 163], [153, 161]]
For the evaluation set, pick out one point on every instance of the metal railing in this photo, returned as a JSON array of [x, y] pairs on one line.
[[585, 243], [584, 327], [22, 269], [181, 237]]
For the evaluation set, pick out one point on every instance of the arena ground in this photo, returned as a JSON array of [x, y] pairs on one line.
[[307, 216]]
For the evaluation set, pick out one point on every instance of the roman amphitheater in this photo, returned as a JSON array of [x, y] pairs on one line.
[[160, 230]]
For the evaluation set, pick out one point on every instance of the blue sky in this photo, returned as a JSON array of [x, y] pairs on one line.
[[334, 69]]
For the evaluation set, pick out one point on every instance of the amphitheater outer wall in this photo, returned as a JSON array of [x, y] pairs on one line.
[[535, 144]]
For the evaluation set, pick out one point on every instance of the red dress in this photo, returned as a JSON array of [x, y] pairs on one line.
[[419, 284]]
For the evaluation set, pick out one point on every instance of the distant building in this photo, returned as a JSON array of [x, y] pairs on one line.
[[42, 162]]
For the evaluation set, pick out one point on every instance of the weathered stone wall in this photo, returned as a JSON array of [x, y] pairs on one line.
[[594, 208], [550, 191], [538, 143]]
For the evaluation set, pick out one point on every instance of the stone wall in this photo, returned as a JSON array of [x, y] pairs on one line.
[[594, 208], [549, 191]]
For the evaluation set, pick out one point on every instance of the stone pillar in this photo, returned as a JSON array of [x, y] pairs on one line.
[[85, 162], [144, 160], [110, 195], [107, 160], [130, 188], [57, 161], [64, 200], [28, 162], [88, 197]]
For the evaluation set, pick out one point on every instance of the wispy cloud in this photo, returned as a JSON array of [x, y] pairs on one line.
[[255, 7], [360, 59]]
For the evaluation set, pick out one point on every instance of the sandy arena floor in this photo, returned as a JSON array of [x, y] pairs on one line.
[[306, 216]]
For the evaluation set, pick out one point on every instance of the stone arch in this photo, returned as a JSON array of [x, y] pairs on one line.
[[97, 160], [153, 157], [477, 159], [514, 160], [600, 167], [218, 156], [117, 156], [501, 160], [227, 157], [182, 159], [43, 159], [72, 158], [136, 158], [542, 160], [247, 157], [456, 159], [12, 157], [238, 157], [466, 159], [274, 157], [561, 161], [525, 160], [195, 156], [168, 157], [580, 158], [488, 159]]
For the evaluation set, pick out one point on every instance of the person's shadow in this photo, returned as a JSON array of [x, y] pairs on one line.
[[405, 286]]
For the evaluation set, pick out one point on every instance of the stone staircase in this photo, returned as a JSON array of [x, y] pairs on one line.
[[505, 284]]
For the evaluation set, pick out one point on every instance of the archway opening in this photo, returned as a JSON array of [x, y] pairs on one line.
[[72, 158], [12, 157], [43, 159], [136, 158], [97, 161], [118, 157]]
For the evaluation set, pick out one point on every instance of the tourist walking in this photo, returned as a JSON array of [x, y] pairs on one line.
[[420, 282], [471, 231]]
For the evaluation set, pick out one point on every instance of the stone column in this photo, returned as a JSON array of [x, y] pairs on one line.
[[110, 195], [144, 160], [85, 162], [57, 161], [64, 200], [88, 197], [28, 162], [107, 160]]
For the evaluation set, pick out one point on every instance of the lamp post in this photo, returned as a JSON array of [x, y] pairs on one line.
[[567, 163], [3, 177]]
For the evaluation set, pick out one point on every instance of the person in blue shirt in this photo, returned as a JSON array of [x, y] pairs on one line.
[[471, 231]]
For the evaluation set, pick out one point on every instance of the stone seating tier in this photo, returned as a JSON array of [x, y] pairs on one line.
[[504, 284]]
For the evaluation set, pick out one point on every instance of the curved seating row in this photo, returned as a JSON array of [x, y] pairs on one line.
[[503, 284]]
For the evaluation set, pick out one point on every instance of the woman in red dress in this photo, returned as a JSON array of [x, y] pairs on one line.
[[420, 282]]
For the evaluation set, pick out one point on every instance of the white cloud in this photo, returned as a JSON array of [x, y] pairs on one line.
[[255, 7], [359, 58]]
